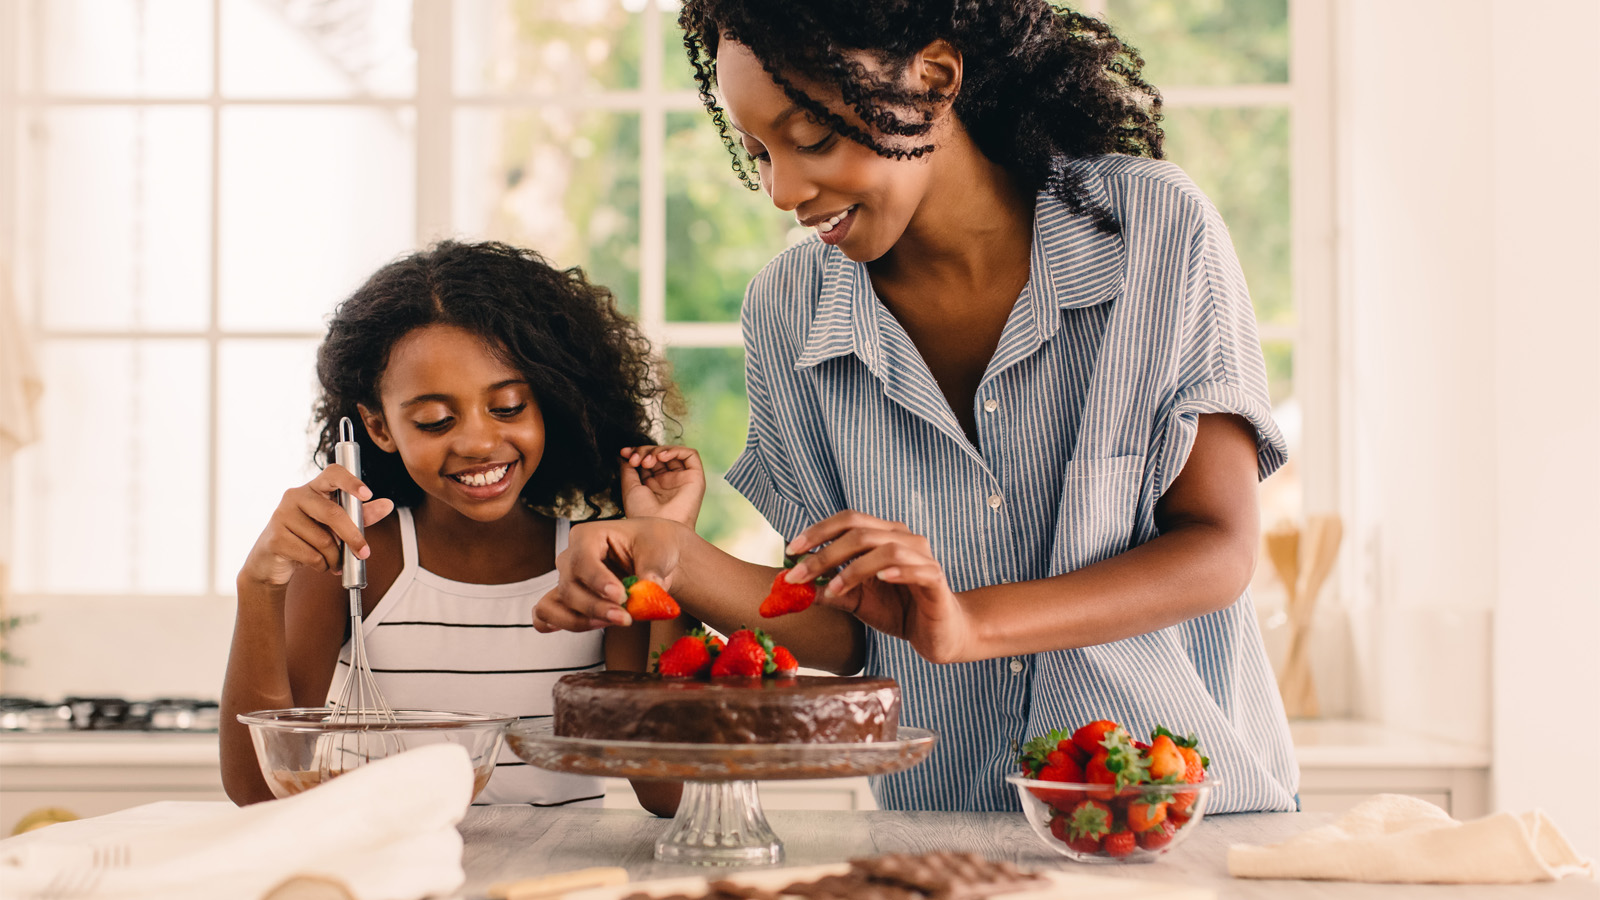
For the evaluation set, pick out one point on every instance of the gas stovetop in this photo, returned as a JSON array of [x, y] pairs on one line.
[[27, 714]]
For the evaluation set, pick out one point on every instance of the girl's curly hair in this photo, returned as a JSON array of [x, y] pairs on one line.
[[590, 369], [1040, 84]]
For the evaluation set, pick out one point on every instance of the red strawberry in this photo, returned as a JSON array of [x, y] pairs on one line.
[[648, 600], [1158, 837], [1097, 773], [687, 657], [742, 658], [1194, 769], [1143, 816], [1165, 760], [1036, 752], [783, 662], [1078, 754], [1088, 737], [1090, 819], [1058, 828], [1068, 771], [1123, 760], [1120, 843], [785, 598], [1085, 845]]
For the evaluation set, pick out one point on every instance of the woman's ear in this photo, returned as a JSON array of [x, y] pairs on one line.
[[937, 69], [377, 428]]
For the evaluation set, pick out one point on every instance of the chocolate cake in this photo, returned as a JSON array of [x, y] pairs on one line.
[[807, 709]]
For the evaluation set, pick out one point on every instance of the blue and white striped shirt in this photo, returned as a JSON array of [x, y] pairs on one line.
[[1085, 415]]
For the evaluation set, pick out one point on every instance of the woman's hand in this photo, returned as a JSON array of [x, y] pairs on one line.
[[666, 482], [589, 594], [887, 578], [307, 527]]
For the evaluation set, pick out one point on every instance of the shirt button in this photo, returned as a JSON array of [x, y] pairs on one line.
[[990, 405], [1015, 666], [994, 501]]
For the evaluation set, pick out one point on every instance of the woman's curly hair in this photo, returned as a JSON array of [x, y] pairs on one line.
[[1040, 84], [590, 369]]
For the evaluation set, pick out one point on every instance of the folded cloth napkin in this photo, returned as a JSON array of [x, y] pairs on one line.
[[385, 831], [1395, 838]]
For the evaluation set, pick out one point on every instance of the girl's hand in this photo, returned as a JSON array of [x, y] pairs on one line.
[[307, 527], [889, 580], [665, 482], [589, 593]]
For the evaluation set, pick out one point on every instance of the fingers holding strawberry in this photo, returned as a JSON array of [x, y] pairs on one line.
[[589, 593], [888, 578]]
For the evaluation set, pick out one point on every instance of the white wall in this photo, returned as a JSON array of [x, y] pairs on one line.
[[1470, 139], [1546, 324]]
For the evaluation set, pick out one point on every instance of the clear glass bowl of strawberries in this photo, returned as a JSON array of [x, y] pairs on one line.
[[1097, 795]]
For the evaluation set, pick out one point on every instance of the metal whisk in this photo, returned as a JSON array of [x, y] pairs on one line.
[[360, 716]]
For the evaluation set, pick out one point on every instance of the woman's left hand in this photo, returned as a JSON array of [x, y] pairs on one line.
[[888, 578], [665, 482]]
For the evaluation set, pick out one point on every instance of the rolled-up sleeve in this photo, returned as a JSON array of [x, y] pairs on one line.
[[1220, 364]]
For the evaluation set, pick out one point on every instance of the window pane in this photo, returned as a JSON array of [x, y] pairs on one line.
[[563, 182], [313, 200], [1240, 158], [124, 48], [112, 499], [275, 48], [264, 439], [126, 238], [677, 74], [719, 234], [559, 47], [1186, 42], [712, 381]]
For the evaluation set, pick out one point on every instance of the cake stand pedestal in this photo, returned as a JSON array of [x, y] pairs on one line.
[[720, 821]]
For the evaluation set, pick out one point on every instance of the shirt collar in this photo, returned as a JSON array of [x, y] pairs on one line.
[[1074, 265]]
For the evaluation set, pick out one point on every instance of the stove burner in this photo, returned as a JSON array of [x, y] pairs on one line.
[[108, 714]]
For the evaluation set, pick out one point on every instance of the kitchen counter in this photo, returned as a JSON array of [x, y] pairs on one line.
[[509, 842]]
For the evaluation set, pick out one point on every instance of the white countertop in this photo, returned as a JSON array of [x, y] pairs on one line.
[[101, 748], [1349, 744]]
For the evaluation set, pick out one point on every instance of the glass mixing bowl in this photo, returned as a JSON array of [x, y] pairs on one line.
[[300, 748]]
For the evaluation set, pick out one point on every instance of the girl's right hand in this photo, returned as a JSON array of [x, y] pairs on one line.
[[589, 594], [308, 527]]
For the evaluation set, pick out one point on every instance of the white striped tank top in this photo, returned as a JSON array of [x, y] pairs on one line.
[[434, 643]]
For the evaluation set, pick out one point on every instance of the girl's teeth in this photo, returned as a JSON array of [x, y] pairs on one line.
[[483, 479]]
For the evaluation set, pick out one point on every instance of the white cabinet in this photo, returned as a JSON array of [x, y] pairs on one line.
[[93, 773], [1343, 762]]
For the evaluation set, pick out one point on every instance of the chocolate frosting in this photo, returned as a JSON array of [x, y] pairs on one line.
[[806, 709]]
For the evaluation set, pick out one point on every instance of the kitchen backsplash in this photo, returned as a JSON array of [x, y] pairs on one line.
[[133, 648]]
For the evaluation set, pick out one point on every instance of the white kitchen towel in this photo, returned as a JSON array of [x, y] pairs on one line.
[[386, 831], [20, 383], [1396, 838]]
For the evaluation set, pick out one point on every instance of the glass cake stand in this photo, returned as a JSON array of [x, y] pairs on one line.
[[720, 821]]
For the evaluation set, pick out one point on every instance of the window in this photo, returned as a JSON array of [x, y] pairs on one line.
[[199, 181]]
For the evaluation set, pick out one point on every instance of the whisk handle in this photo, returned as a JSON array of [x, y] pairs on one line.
[[347, 453]]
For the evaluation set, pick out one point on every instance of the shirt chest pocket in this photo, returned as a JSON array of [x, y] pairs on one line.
[[1098, 513]]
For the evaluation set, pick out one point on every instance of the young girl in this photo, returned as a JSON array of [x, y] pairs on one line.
[[492, 393], [1013, 392]]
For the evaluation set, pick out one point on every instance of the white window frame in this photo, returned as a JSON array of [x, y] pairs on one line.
[[1319, 351]]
